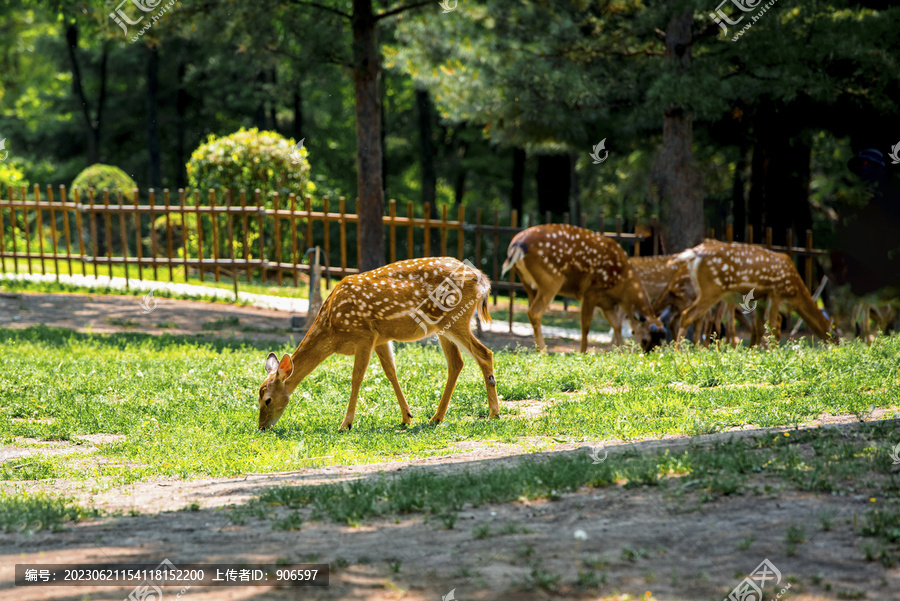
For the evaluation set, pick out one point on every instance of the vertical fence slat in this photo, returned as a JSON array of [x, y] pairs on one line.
[[78, 225], [513, 220], [185, 230], [277, 222], [769, 237], [199, 233], [262, 243], [107, 220], [296, 259], [214, 218], [53, 232], [67, 234], [39, 226], [495, 273], [94, 246], [309, 224], [229, 227], [327, 228], [444, 231], [654, 224], [12, 216], [809, 260], [123, 233], [410, 243], [478, 238], [729, 233], [169, 246], [460, 233], [154, 251], [392, 230], [342, 228], [749, 234], [138, 242], [426, 244], [245, 222]]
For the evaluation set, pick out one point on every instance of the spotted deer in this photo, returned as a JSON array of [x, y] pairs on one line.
[[404, 301], [576, 262], [718, 268]]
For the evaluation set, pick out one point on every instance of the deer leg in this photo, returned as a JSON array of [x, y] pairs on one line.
[[454, 366], [694, 312], [612, 315], [387, 364], [587, 316], [773, 317], [363, 354], [462, 336], [537, 304]]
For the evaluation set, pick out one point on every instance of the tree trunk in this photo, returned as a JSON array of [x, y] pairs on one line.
[[738, 202], [676, 176], [92, 124], [155, 172], [298, 111], [459, 185], [273, 112], [259, 118], [554, 184], [779, 192], [369, 179], [429, 176], [516, 196], [575, 192], [181, 104]]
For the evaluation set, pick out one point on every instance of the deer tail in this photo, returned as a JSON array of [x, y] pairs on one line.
[[514, 254]]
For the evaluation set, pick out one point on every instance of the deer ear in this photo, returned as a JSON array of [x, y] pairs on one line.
[[286, 367], [271, 363]]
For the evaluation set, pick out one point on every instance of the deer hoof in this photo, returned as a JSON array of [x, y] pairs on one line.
[[345, 427]]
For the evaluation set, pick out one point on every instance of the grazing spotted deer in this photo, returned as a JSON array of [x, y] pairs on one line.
[[572, 261], [655, 273], [717, 268], [404, 301]]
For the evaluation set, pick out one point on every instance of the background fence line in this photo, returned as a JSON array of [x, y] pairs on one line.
[[228, 239]]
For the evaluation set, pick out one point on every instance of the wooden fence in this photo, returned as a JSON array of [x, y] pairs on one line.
[[256, 240]]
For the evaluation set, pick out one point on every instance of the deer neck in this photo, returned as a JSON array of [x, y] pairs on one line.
[[311, 351]]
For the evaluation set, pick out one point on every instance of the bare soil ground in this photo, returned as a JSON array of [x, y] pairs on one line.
[[638, 539]]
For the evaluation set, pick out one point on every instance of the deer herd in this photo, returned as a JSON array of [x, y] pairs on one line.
[[413, 299]]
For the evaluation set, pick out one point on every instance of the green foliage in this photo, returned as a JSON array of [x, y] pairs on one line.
[[250, 160], [11, 176], [99, 176]]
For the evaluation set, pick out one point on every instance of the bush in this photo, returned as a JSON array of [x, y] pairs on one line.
[[247, 160], [11, 176], [99, 176]]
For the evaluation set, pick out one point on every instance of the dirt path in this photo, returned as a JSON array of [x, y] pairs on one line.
[[636, 539]]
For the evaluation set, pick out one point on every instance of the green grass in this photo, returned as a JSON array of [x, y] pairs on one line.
[[33, 512], [188, 408], [704, 473]]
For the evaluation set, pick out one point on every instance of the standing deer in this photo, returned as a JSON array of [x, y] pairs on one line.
[[572, 261], [404, 301], [717, 268]]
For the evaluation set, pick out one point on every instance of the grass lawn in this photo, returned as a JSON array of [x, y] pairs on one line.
[[186, 408]]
